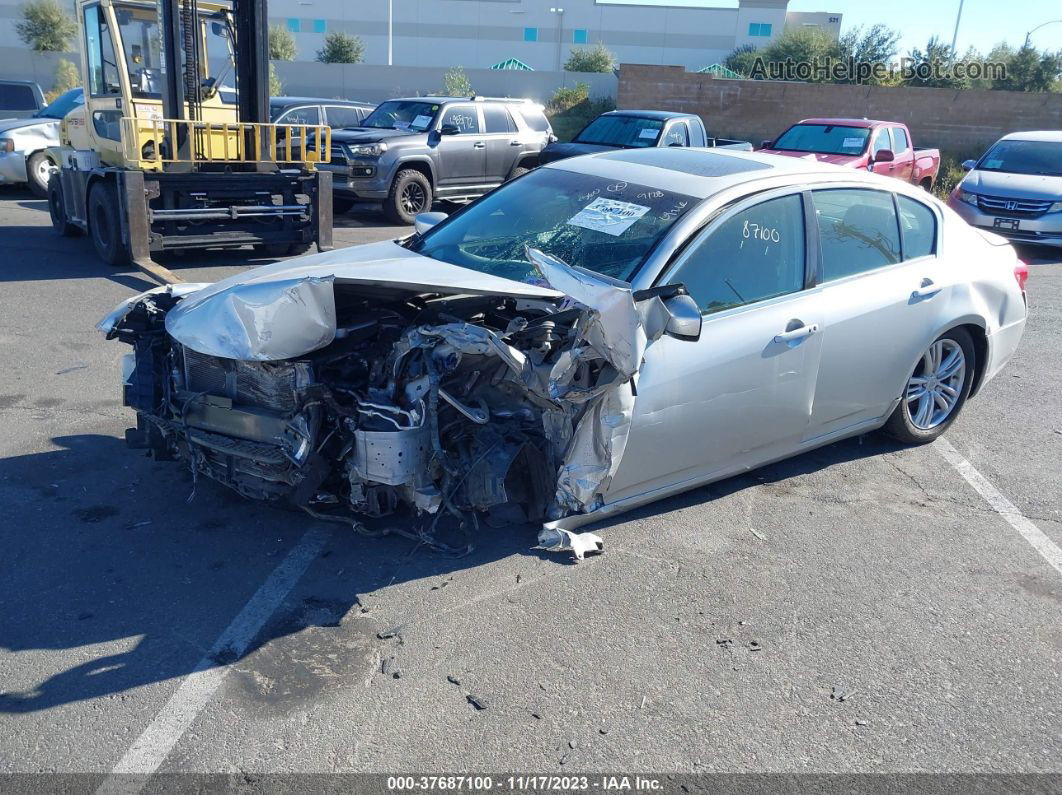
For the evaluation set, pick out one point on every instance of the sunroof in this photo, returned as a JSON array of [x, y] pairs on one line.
[[702, 164]]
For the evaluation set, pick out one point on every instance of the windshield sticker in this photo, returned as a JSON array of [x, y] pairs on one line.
[[993, 163], [852, 142], [421, 121], [609, 216], [649, 133]]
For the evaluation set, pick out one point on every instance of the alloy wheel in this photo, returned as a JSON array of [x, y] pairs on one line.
[[413, 198], [934, 389]]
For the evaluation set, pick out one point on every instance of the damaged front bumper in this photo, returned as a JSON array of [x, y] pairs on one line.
[[359, 396]]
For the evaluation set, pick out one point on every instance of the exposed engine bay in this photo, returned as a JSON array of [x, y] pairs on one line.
[[417, 403]]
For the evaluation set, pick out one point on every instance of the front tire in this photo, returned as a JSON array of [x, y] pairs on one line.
[[105, 226], [38, 173], [57, 209], [410, 194], [936, 390]]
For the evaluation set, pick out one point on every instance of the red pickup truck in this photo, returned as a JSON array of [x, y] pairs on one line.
[[883, 147]]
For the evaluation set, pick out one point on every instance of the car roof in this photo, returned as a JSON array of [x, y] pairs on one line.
[[841, 122], [703, 172], [284, 101], [1044, 136], [444, 100], [649, 114]]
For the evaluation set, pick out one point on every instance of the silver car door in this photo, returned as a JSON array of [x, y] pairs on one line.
[[742, 393], [881, 299]]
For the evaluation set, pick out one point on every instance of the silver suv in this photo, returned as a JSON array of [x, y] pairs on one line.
[[409, 152]]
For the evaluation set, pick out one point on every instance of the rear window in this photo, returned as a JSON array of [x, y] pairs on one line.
[[918, 225], [496, 119], [857, 231], [340, 116], [826, 139], [632, 131], [535, 119], [17, 97]]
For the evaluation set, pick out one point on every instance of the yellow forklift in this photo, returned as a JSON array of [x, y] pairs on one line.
[[173, 149]]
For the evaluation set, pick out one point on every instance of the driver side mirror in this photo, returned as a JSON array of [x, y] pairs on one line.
[[766, 144], [422, 222], [883, 156], [449, 129], [684, 317], [968, 165]]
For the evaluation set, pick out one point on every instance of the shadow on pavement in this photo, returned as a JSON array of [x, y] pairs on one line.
[[102, 547]]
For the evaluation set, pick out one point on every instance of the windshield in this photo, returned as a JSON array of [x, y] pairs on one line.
[[599, 224], [630, 131], [1024, 157], [62, 105], [142, 43], [402, 115], [826, 139]]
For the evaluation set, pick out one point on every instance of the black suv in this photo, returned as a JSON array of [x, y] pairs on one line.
[[411, 151]]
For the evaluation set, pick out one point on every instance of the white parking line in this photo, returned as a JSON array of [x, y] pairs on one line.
[[153, 746], [1047, 548]]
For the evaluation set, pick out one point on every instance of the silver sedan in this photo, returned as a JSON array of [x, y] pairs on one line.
[[595, 335]]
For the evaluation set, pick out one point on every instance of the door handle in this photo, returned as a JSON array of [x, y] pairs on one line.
[[479, 145], [926, 290], [798, 333], [514, 143]]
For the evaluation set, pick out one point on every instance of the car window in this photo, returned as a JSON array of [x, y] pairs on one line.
[[918, 226], [400, 114], [755, 254], [633, 131], [306, 114], [17, 97], [857, 231], [496, 119], [604, 225], [340, 116], [463, 117], [534, 118], [677, 135], [1014, 156], [881, 140], [829, 139], [103, 65], [900, 135]]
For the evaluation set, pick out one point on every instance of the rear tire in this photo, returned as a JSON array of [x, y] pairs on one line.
[[38, 173], [105, 227], [936, 390], [341, 205], [519, 171], [57, 209], [410, 194]]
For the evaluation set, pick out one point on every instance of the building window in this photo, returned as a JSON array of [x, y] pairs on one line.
[[530, 34], [319, 26], [579, 36], [759, 28], [294, 25]]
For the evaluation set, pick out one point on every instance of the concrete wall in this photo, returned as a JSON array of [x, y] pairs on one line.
[[17, 63], [965, 122]]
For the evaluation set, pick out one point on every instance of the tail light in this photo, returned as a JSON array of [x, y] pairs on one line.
[[1021, 273]]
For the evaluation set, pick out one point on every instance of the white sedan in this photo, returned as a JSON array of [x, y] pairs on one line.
[[595, 335]]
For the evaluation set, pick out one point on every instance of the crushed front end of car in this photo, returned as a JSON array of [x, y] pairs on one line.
[[365, 398]]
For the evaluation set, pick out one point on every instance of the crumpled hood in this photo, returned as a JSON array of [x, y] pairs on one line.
[[368, 135], [561, 151], [287, 309], [10, 125], [1014, 186], [851, 161]]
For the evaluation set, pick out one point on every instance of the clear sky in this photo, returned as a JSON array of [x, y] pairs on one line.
[[984, 22]]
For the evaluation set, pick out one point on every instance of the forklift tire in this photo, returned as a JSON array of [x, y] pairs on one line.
[[341, 205], [410, 194], [57, 210], [105, 228]]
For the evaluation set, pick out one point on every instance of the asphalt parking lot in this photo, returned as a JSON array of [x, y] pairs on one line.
[[859, 608]]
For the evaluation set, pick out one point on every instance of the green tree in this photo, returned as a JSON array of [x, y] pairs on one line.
[[1028, 69], [456, 83], [793, 48], [67, 76], [341, 47], [568, 97], [281, 44], [742, 58], [598, 58], [46, 26], [934, 66], [276, 88], [876, 45]]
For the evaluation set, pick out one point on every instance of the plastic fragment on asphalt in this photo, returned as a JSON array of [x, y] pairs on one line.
[[476, 701], [580, 544]]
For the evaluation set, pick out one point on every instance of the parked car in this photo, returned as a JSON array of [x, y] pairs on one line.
[[1015, 189], [24, 143], [767, 306], [883, 147], [20, 98], [336, 113], [638, 129], [409, 152]]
